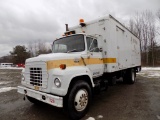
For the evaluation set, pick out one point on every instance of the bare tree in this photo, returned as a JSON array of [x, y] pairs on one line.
[[30, 48], [135, 25], [38, 47], [41, 47], [143, 26], [150, 33], [158, 19]]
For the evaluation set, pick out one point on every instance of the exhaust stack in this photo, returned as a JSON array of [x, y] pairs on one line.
[[67, 29]]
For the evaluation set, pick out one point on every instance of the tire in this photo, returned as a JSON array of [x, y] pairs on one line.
[[33, 100], [132, 76], [79, 100], [129, 76]]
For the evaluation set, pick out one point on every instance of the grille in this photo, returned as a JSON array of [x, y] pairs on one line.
[[36, 76]]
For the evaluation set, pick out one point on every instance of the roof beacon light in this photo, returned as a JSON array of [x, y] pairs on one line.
[[81, 22]]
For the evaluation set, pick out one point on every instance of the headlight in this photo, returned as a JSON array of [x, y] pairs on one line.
[[22, 77], [57, 82]]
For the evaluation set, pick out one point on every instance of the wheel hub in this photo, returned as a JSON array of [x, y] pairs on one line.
[[81, 100]]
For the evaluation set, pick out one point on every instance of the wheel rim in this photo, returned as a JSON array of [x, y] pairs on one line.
[[81, 100], [133, 76]]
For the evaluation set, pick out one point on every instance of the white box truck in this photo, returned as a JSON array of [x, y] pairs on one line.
[[86, 59]]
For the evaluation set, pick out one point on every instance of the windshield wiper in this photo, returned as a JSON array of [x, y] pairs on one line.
[[74, 50]]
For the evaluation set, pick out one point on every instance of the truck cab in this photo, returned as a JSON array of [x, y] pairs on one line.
[[88, 48]]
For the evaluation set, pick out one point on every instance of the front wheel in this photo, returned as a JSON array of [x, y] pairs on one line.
[[79, 100]]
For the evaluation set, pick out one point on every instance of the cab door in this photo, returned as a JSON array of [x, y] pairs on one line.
[[95, 59]]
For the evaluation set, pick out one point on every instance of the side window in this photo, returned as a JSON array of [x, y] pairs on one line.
[[89, 41], [92, 45]]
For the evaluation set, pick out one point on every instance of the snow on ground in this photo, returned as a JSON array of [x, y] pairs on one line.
[[100, 116], [150, 72], [150, 68], [90, 118], [5, 89], [11, 68], [4, 82]]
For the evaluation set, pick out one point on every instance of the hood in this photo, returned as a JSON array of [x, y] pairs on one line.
[[53, 56]]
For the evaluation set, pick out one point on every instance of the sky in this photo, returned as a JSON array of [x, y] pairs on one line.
[[27, 21]]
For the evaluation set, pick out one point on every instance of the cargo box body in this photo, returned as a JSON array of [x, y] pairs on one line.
[[121, 48]]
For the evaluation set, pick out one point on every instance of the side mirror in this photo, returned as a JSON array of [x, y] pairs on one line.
[[96, 49]]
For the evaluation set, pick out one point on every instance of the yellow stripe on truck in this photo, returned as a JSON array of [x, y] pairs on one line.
[[70, 62], [109, 60]]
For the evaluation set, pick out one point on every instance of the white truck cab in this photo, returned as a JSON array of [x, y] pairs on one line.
[[85, 60]]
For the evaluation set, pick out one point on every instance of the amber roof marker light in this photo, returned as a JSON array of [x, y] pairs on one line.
[[81, 22]]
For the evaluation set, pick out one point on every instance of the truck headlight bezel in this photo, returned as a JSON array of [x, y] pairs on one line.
[[57, 82]]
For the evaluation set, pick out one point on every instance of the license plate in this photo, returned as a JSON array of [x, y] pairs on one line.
[[36, 87]]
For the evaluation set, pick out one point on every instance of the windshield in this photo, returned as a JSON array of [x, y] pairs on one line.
[[73, 43]]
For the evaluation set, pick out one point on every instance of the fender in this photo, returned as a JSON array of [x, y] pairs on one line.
[[66, 76]]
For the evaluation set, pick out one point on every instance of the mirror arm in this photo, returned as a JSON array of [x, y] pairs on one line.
[[83, 61]]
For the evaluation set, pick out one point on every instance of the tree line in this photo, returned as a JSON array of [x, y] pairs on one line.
[[20, 52]]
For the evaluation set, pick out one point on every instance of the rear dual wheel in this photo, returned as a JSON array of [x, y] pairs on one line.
[[132, 76], [129, 76]]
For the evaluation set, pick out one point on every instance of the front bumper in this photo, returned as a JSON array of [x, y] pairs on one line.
[[50, 99]]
